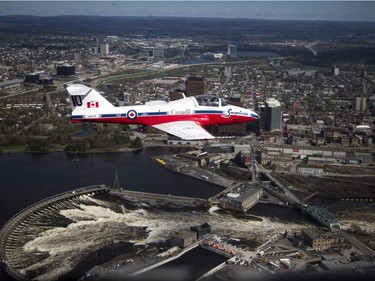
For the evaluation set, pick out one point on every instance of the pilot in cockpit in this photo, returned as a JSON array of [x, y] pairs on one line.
[[215, 101], [208, 101]]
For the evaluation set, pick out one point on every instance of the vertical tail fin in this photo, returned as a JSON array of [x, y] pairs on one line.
[[83, 97]]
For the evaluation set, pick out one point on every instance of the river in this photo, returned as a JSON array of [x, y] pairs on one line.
[[28, 178]]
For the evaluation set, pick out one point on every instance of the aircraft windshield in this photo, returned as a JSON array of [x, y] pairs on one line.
[[209, 100]]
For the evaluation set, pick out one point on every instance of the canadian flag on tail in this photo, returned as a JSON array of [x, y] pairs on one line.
[[92, 104]]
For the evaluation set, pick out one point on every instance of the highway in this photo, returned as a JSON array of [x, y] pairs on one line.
[[311, 45]]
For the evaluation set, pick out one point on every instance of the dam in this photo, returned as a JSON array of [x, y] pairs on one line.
[[45, 215], [15, 233]]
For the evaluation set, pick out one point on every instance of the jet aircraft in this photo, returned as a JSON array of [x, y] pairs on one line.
[[184, 118]]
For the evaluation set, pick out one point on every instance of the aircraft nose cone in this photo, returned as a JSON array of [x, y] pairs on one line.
[[254, 115]]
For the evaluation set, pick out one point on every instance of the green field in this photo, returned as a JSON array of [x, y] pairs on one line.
[[13, 148]]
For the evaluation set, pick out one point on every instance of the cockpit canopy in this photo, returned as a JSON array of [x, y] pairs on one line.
[[210, 100]]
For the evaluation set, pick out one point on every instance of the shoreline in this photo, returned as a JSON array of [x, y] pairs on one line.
[[71, 152], [4, 150]]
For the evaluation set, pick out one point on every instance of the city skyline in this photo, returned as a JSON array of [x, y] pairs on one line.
[[266, 10]]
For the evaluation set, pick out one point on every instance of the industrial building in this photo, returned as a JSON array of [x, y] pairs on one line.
[[201, 229], [287, 153], [241, 199], [321, 239], [183, 238]]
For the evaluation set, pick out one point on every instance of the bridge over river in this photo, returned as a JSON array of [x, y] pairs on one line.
[[321, 215]]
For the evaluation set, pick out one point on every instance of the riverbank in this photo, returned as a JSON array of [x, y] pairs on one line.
[[13, 148], [176, 165], [23, 149]]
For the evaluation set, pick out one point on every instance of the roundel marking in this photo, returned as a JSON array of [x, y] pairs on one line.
[[132, 114]]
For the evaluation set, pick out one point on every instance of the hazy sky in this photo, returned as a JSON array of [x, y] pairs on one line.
[[294, 10]]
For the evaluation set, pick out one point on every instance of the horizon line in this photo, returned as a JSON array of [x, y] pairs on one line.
[[185, 16]]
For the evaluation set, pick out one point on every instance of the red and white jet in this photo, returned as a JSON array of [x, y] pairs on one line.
[[184, 118]]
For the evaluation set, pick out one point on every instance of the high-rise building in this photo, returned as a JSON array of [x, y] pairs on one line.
[[195, 85], [126, 96], [360, 103], [270, 115], [232, 50], [104, 49], [77, 56], [336, 71]]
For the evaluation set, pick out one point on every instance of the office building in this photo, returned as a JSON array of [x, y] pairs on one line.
[[104, 49], [336, 71], [360, 103], [32, 78], [66, 70], [77, 56], [46, 81], [270, 115], [232, 50], [195, 85]]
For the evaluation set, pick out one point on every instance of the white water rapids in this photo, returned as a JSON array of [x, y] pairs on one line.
[[97, 226]]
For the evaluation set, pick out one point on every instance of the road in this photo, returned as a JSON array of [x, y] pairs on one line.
[[311, 45], [260, 169], [357, 244]]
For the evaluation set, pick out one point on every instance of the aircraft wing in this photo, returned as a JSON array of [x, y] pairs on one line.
[[186, 130]]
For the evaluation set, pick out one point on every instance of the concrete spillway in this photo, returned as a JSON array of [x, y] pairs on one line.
[[37, 235], [29, 222]]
